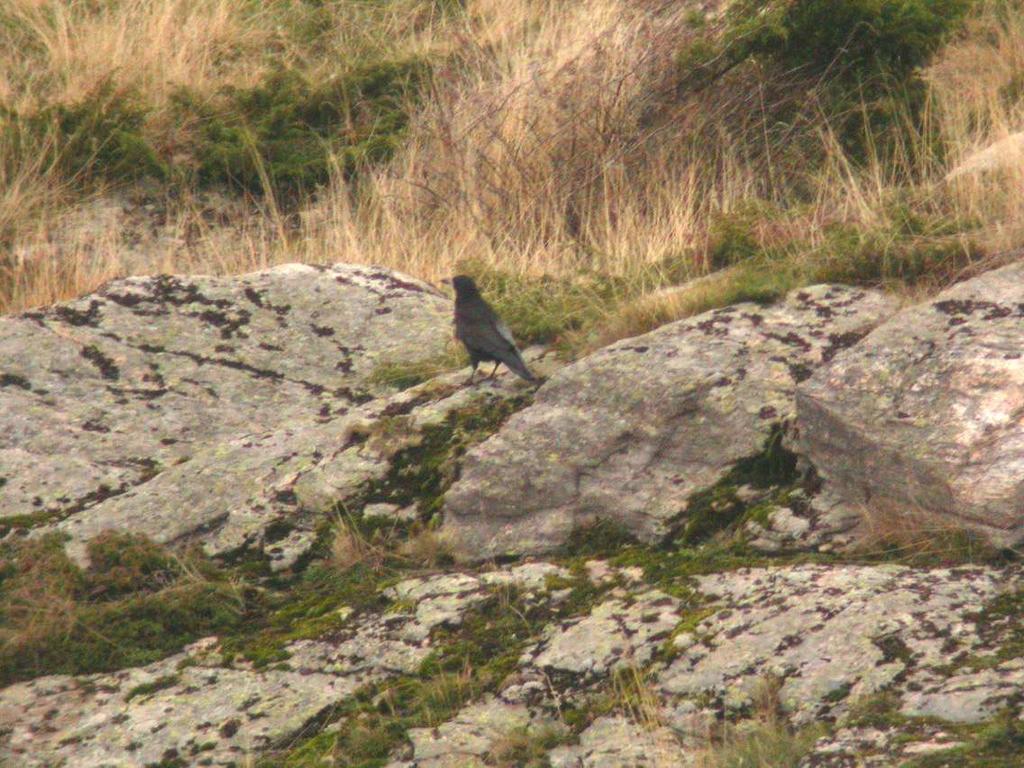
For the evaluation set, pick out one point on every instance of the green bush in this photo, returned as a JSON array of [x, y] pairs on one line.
[[287, 132], [860, 40], [101, 136], [858, 59]]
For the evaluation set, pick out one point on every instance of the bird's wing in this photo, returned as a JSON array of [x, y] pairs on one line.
[[487, 337], [503, 331]]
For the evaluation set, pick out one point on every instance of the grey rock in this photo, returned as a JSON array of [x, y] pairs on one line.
[[466, 739], [187, 404], [285, 553], [966, 698], [835, 634], [817, 522], [924, 415], [616, 742], [614, 635], [221, 714], [631, 432]]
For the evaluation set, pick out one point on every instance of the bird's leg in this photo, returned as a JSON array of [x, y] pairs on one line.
[[472, 374], [494, 371]]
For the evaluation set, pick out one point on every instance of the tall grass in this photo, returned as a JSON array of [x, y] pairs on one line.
[[566, 140]]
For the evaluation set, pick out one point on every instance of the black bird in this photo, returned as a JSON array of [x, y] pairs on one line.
[[481, 331]]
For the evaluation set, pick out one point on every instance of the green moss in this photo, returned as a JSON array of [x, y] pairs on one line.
[[598, 539], [421, 473], [26, 522], [317, 601], [1001, 624], [718, 507], [167, 681], [471, 659], [879, 710], [997, 744]]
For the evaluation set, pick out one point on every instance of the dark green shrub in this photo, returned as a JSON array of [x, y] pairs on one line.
[[855, 61], [861, 40], [99, 137], [287, 131]]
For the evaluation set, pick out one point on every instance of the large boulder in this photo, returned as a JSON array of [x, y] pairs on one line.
[[633, 431], [170, 406], [926, 415]]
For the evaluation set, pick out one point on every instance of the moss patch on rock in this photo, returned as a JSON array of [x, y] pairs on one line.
[[472, 659], [421, 473], [719, 507], [317, 601]]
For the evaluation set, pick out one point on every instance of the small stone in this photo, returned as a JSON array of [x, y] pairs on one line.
[[384, 511], [286, 553]]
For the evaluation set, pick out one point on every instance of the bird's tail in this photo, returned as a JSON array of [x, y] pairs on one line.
[[516, 364]]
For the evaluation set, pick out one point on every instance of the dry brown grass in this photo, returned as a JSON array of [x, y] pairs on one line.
[[917, 537], [765, 740], [349, 547], [553, 141], [426, 548]]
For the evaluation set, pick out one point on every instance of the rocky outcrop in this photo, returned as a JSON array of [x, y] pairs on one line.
[[919, 647], [646, 674], [202, 708], [238, 412], [833, 635], [633, 431], [194, 407], [926, 414]]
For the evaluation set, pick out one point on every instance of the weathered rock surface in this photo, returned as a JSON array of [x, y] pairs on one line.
[[835, 634], [194, 708], [927, 413], [469, 737], [876, 748], [631, 432], [805, 522], [618, 742], [177, 708], [613, 636], [161, 388], [830, 636]]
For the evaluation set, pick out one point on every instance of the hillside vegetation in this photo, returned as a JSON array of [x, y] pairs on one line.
[[584, 159]]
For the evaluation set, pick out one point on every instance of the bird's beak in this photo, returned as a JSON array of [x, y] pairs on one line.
[[446, 281]]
